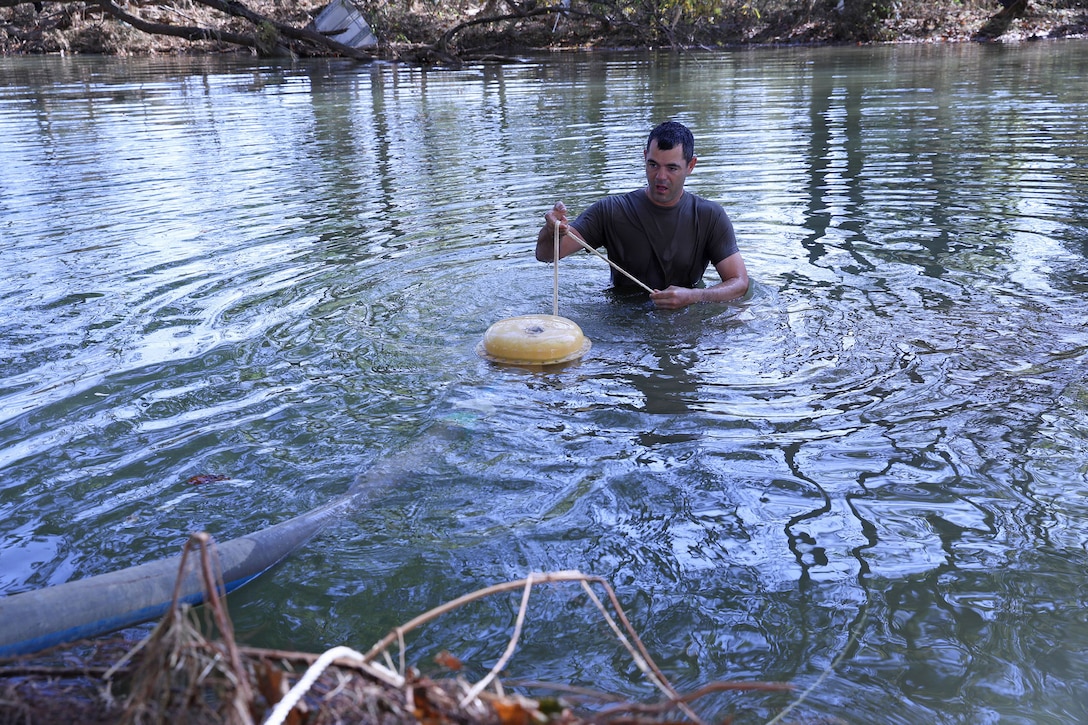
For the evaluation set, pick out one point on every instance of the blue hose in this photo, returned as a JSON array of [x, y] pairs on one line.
[[36, 620]]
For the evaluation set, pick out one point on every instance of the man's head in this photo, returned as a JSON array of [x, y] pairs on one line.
[[670, 134], [670, 157]]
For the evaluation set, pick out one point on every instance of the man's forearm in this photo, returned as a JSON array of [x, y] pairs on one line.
[[545, 244], [729, 289]]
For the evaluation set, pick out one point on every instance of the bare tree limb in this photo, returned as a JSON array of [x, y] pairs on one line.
[[178, 31], [998, 24], [442, 46], [255, 40], [231, 7]]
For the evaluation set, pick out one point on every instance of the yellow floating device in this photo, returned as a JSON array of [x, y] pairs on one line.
[[534, 340]]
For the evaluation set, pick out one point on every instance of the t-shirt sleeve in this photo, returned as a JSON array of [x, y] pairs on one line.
[[723, 242], [592, 221]]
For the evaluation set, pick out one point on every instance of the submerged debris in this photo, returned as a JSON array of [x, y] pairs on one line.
[[201, 479], [180, 674]]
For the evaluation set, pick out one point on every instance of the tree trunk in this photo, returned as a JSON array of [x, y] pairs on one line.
[[999, 24]]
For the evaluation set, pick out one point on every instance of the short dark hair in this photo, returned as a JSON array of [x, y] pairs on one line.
[[671, 134]]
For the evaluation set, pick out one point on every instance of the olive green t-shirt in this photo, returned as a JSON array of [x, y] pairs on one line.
[[661, 246]]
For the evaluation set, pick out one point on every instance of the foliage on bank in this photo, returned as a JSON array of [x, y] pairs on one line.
[[444, 31]]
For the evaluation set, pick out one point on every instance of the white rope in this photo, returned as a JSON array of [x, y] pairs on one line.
[[585, 244], [284, 707], [555, 272], [621, 270]]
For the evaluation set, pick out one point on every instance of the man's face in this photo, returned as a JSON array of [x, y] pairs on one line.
[[666, 172]]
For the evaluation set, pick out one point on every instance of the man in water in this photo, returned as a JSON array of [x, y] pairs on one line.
[[660, 234]]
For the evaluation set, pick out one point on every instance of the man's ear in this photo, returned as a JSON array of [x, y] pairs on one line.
[[691, 164]]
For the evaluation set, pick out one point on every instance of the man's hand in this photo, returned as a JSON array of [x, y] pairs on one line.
[[558, 215], [734, 285], [674, 297], [545, 239]]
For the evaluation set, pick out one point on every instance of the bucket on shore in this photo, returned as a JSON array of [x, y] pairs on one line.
[[343, 22]]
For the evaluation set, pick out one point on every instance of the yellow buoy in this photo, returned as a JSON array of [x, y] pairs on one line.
[[534, 340]]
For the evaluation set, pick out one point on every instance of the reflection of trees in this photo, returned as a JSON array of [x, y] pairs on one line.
[[574, 100], [922, 168], [919, 164], [824, 205], [340, 146]]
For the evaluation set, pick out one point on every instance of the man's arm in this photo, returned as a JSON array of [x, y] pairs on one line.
[[734, 284]]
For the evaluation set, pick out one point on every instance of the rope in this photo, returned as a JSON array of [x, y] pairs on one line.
[[283, 708], [555, 265], [555, 269], [621, 270]]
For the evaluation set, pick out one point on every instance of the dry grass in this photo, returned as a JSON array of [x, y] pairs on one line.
[[181, 674]]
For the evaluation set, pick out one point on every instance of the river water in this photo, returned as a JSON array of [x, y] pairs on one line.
[[869, 478]]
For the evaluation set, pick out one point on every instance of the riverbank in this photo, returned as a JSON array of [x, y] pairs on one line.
[[464, 31]]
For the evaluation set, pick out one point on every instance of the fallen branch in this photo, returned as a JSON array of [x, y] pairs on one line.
[[177, 674], [443, 43], [263, 42], [193, 33], [630, 641], [232, 7], [441, 48], [1000, 22]]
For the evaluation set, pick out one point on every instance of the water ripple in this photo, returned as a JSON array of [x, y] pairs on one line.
[[280, 275]]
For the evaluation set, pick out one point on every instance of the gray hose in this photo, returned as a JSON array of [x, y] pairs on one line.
[[36, 620]]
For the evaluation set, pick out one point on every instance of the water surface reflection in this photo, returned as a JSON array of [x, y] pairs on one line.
[[871, 468]]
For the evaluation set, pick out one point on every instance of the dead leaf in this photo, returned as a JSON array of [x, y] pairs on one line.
[[202, 478]]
